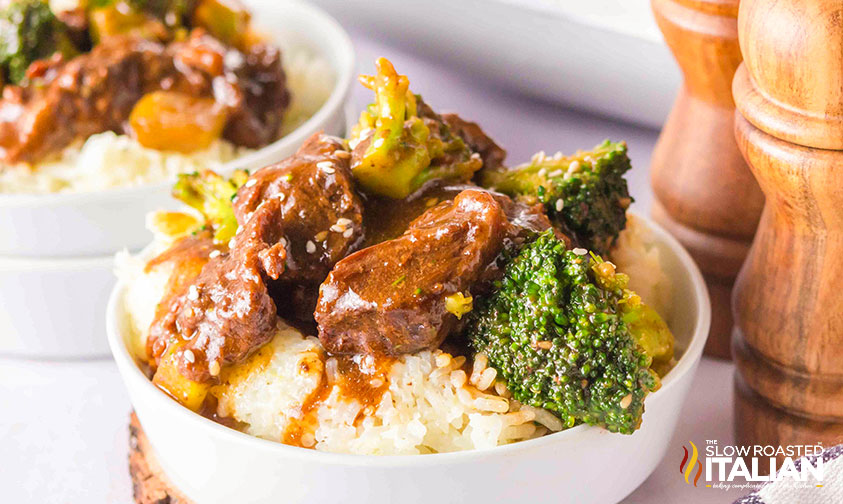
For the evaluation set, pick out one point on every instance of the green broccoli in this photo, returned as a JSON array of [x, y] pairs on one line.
[[211, 195], [555, 331], [409, 144], [29, 31], [152, 19], [585, 194]]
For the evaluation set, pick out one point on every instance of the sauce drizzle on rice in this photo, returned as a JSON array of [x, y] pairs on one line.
[[364, 382]]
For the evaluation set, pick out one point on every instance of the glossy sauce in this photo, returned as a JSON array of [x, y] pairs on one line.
[[356, 381]]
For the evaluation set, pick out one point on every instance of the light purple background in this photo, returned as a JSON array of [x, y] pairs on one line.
[[63, 425]]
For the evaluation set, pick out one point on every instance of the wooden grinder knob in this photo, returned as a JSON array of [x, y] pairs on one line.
[[705, 194], [788, 304]]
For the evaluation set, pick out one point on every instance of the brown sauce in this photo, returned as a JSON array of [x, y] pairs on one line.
[[366, 386], [402, 212], [188, 256]]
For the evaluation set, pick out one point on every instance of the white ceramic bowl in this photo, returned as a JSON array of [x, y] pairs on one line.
[[53, 308], [215, 464], [97, 223]]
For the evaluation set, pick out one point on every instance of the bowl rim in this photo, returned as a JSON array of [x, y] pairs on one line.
[[130, 371], [344, 49]]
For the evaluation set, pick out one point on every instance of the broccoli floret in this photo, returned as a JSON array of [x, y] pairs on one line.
[[406, 143], [211, 195], [585, 194], [152, 19], [554, 330], [29, 31]]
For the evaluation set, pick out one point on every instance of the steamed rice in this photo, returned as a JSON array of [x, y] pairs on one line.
[[108, 160], [433, 402]]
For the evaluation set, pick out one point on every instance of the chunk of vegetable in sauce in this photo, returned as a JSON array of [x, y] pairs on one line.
[[459, 304], [397, 152], [121, 18], [227, 20], [211, 195], [168, 378], [168, 120], [408, 144]]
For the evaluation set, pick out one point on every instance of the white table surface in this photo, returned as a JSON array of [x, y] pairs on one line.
[[63, 425]]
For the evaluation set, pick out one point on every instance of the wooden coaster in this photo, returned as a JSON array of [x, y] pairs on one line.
[[149, 483]]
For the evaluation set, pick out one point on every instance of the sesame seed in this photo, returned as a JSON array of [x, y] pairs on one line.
[[251, 182], [574, 166], [626, 401], [348, 232], [281, 196], [556, 173], [337, 228], [189, 357], [378, 143], [310, 247], [580, 251], [193, 293], [214, 253], [342, 221], [342, 154], [214, 368], [283, 242], [542, 172], [326, 166], [231, 243], [560, 205], [321, 235]]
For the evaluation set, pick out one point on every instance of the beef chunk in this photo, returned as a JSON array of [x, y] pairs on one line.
[[229, 310], [492, 155], [223, 316], [390, 298], [306, 203]]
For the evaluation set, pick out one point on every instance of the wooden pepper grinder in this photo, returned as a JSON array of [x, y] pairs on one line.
[[705, 194], [788, 304]]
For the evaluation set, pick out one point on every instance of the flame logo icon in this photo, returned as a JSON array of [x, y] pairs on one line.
[[687, 470]]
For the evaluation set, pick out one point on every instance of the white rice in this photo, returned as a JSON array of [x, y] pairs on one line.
[[107, 160], [636, 254], [433, 402]]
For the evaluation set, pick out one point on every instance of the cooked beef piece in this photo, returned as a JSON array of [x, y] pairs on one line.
[[390, 298], [492, 155], [306, 203], [223, 316], [96, 91], [279, 255], [260, 96]]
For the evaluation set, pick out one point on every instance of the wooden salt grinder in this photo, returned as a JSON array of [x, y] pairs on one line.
[[705, 194], [788, 304]]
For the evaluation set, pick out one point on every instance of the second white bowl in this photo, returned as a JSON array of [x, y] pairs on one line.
[[98, 223]]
